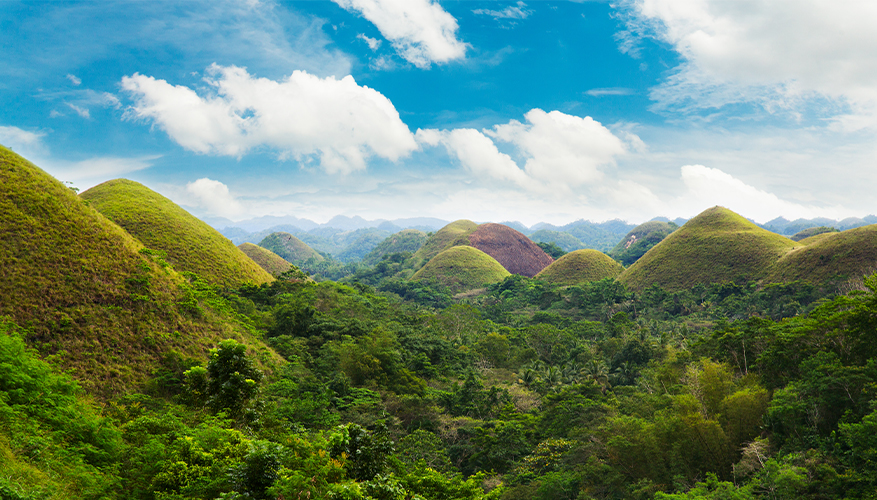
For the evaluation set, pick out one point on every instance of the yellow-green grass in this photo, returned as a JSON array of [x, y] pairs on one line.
[[579, 267], [266, 259], [517, 253], [462, 268], [716, 246], [407, 240], [160, 224], [79, 283], [639, 240], [830, 257], [810, 232], [290, 248], [454, 234]]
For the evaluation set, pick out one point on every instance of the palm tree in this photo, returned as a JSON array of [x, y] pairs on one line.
[[596, 371], [624, 374]]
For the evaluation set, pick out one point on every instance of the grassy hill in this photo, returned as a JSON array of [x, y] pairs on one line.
[[266, 259], [90, 295], [813, 231], [581, 266], [830, 257], [160, 224], [462, 268], [453, 234], [290, 248], [638, 241], [517, 253], [407, 240], [718, 245]]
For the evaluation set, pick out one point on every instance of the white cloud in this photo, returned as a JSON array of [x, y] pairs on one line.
[[778, 53], [73, 79], [20, 140], [477, 153], [519, 11], [302, 116], [373, 43], [82, 112], [215, 197], [421, 31], [609, 91]]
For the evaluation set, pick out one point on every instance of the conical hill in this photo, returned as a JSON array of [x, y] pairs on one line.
[[716, 246], [407, 240], [517, 253], [290, 248], [462, 268], [640, 240], [830, 257], [581, 266], [266, 259], [160, 224], [87, 292], [454, 234]]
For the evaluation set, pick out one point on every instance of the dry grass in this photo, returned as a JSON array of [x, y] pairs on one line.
[[517, 253], [581, 266]]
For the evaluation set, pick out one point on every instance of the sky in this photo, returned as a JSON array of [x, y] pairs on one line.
[[538, 111]]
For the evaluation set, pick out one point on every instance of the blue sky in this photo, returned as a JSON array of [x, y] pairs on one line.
[[489, 110]]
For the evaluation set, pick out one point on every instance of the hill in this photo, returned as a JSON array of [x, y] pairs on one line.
[[581, 266], [266, 259], [454, 234], [830, 257], [813, 231], [462, 268], [160, 224], [517, 253], [407, 240], [107, 310], [290, 248], [638, 241], [718, 245], [562, 239]]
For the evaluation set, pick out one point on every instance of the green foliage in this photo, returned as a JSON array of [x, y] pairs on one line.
[[453, 234], [405, 241], [551, 249], [290, 248], [642, 238]]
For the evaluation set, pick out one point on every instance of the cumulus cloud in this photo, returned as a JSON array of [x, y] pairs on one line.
[[519, 11], [19, 139], [215, 197], [421, 31], [302, 116], [777, 53], [477, 153]]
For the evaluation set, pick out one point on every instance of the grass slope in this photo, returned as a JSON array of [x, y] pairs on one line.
[[718, 245], [581, 266], [462, 268], [454, 234], [829, 257], [639, 240], [160, 224], [88, 295], [290, 248], [266, 259], [511, 248], [407, 240]]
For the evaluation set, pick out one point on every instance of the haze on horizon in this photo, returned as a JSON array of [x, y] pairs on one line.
[[541, 111]]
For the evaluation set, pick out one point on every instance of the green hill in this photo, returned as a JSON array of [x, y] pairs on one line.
[[638, 241], [581, 266], [290, 248], [160, 224], [462, 268], [266, 259], [453, 234], [562, 239], [813, 231], [407, 240], [830, 257], [718, 245], [107, 310]]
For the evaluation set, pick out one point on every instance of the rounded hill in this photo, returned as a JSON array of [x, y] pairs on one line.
[[266, 259], [716, 246], [454, 234], [640, 240], [160, 224], [462, 268], [517, 253], [830, 257], [407, 240], [581, 266], [290, 248]]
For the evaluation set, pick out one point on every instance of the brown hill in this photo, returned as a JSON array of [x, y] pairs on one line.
[[517, 253]]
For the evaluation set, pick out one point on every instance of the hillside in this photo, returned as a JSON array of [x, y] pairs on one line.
[[830, 257], [462, 268], [813, 231], [562, 239], [639, 240], [290, 248], [517, 253], [108, 311], [453, 234], [718, 245], [160, 224], [266, 259], [581, 266], [407, 240]]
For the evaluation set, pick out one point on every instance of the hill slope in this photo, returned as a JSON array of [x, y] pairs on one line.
[[639, 240], [454, 234], [407, 240], [830, 257], [290, 248], [462, 268], [109, 312], [517, 253], [717, 245], [160, 224], [581, 266], [266, 259]]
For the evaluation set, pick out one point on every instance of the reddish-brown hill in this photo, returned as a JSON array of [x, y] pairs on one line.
[[517, 253]]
